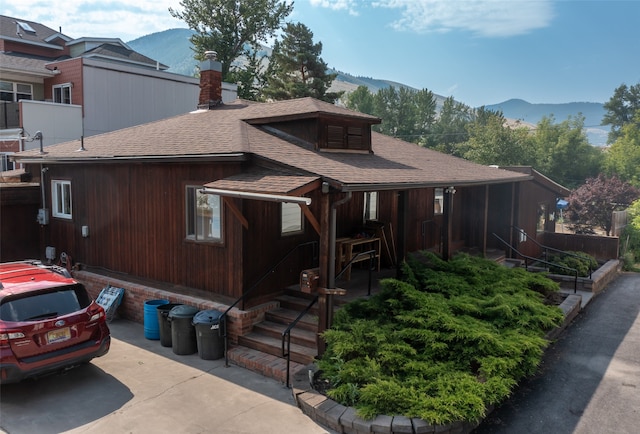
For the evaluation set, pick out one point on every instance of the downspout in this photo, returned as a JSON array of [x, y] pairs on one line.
[[332, 238], [43, 170]]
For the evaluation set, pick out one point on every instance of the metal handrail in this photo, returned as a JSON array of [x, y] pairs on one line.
[[575, 281], [372, 256], [223, 317], [547, 248], [287, 333]]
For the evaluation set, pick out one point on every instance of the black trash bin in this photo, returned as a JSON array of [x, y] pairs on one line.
[[163, 320], [183, 334], [209, 334]]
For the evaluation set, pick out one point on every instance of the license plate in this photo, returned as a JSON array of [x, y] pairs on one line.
[[59, 335]]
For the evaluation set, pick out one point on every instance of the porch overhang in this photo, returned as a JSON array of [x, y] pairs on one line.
[[258, 196], [268, 185]]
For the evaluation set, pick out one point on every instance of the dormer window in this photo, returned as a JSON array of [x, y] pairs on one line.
[[346, 136]]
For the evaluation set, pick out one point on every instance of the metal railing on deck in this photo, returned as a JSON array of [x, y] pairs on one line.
[[372, 257], [528, 258], [286, 334], [223, 317], [547, 249]]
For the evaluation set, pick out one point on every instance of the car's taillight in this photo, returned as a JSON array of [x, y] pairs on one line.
[[7, 335], [96, 311]]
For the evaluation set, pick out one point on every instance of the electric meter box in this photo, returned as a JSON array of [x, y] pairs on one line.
[[43, 216]]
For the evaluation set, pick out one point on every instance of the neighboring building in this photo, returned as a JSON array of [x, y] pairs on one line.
[[68, 88]]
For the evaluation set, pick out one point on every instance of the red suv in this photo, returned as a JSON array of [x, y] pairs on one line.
[[48, 322]]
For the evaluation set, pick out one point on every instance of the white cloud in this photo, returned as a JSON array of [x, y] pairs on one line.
[[488, 18], [338, 5], [106, 18]]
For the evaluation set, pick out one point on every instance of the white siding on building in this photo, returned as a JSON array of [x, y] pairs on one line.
[[57, 122], [117, 96]]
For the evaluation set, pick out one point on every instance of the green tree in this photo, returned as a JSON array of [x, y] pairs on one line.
[[426, 113], [623, 157], [395, 107], [360, 100], [231, 28], [251, 79], [450, 128], [621, 109], [492, 142], [296, 69], [563, 151]]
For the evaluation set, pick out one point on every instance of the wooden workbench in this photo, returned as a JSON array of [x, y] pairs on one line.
[[348, 248]]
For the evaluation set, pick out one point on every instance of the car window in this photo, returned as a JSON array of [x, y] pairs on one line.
[[37, 306]]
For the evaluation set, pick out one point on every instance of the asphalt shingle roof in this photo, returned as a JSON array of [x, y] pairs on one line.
[[227, 130]]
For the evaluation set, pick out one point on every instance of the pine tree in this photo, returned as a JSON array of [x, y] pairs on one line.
[[296, 69]]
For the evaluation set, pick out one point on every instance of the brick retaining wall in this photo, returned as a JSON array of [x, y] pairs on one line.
[[239, 322], [344, 420]]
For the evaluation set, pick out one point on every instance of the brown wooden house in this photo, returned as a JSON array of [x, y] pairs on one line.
[[217, 198]]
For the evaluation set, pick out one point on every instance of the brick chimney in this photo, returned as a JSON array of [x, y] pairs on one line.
[[210, 82]]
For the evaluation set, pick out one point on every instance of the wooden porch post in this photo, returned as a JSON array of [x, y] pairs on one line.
[[447, 216], [402, 231], [485, 218], [325, 302]]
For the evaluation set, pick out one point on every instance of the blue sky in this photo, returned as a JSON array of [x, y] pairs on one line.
[[479, 51]]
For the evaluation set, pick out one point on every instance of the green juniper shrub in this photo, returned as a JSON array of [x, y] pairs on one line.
[[442, 344], [580, 261]]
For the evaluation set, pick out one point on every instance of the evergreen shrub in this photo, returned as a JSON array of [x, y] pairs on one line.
[[443, 343], [580, 261]]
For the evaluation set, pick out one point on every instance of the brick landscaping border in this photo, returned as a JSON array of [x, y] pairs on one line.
[[344, 420]]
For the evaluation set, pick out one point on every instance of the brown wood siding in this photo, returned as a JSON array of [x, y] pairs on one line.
[[265, 247], [305, 129], [136, 219], [531, 196], [499, 216], [19, 231]]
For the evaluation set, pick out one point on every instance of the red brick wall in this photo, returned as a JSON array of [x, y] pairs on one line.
[[239, 322]]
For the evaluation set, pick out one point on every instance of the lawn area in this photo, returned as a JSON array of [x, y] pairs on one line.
[[442, 344]]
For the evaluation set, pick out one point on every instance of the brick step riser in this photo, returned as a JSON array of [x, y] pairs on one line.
[[287, 317], [299, 337], [256, 344]]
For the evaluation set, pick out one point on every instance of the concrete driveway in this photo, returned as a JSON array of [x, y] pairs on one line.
[[142, 387], [589, 382]]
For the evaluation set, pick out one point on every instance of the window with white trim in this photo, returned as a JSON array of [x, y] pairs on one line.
[[291, 221], [62, 93], [438, 201], [61, 199], [203, 215], [370, 206], [12, 92]]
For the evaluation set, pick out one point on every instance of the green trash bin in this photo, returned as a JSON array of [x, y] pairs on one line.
[[209, 334], [183, 333]]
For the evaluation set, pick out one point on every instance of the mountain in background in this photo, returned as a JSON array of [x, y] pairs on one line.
[[173, 48], [533, 113]]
